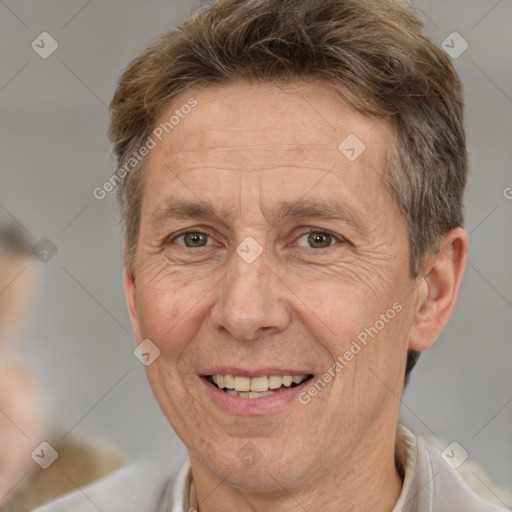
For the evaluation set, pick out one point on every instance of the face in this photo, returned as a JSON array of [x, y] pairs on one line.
[[294, 259]]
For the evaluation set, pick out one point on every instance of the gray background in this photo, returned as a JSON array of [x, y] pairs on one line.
[[54, 152]]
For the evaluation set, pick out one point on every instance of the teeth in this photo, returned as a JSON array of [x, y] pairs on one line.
[[260, 385], [229, 381], [258, 395], [274, 381], [248, 394], [287, 380], [241, 383]]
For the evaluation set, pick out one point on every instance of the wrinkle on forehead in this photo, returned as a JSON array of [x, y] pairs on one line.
[[256, 127], [235, 112], [291, 139], [254, 157]]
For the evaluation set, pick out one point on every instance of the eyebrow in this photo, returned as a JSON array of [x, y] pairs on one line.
[[325, 209]]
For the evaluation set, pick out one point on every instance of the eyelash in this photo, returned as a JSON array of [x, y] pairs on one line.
[[337, 238]]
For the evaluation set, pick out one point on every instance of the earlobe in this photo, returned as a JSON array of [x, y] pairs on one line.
[[437, 293], [130, 291]]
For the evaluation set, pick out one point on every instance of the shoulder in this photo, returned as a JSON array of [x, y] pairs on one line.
[[142, 485], [444, 489]]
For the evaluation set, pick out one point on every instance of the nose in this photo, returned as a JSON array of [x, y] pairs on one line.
[[251, 300]]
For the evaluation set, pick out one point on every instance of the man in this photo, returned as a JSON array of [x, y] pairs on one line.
[[290, 179]]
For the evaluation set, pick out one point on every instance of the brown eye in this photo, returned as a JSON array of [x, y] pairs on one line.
[[317, 239], [193, 239]]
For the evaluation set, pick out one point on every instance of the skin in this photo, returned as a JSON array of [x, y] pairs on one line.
[[298, 306], [22, 422], [17, 281]]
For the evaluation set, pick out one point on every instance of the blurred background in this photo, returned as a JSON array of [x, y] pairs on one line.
[[77, 341]]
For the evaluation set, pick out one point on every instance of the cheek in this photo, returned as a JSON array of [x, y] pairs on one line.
[[340, 305], [364, 337], [376, 374], [170, 308]]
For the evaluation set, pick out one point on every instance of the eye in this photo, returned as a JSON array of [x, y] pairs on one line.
[[192, 239], [320, 239]]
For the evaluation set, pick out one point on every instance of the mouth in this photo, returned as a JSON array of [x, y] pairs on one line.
[[256, 387]]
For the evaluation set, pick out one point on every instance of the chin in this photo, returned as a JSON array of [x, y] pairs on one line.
[[258, 465]]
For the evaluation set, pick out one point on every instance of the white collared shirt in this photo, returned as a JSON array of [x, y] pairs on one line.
[[430, 485]]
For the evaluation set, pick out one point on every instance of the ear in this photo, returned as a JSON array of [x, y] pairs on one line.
[[439, 288], [130, 291]]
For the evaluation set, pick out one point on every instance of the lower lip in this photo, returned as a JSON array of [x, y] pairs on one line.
[[246, 406]]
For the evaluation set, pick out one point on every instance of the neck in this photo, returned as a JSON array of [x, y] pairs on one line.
[[370, 479]]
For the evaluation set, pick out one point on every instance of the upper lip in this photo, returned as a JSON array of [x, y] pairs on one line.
[[260, 372]]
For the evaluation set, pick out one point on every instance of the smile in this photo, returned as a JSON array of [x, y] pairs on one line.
[[255, 387]]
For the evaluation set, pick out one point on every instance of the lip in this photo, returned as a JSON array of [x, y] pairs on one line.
[[253, 406]]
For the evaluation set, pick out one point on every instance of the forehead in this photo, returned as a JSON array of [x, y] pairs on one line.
[[281, 138], [283, 119]]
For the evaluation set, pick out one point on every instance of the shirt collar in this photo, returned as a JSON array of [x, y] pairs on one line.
[[405, 502], [180, 496]]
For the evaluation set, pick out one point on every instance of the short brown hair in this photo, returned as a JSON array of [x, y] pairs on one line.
[[374, 52]]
